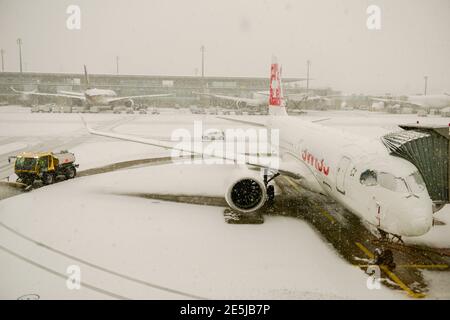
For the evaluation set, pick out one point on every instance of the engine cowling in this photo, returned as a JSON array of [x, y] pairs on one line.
[[129, 103], [241, 104], [246, 194]]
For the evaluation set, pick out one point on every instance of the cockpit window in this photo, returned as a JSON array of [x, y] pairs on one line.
[[386, 180], [368, 178], [389, 181], [415, 182]]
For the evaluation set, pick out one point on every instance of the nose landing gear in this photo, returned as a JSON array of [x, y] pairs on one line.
[[390, 237]]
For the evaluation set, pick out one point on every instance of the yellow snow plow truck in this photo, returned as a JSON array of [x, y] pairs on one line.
[[44, 166]]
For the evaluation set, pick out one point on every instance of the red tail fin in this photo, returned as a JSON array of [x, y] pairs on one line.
[[275, 85], [275, 90]]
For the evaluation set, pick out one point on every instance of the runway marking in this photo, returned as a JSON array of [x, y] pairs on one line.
[[62, 275], [418, 266], [142, 282], [390, 274], [424, 266], [326, 214], [322, 210]]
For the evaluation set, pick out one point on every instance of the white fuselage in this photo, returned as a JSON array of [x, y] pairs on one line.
[[99, 97], [437, 101], [332, 163]]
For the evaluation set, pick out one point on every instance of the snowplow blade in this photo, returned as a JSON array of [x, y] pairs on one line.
[[16, 185]]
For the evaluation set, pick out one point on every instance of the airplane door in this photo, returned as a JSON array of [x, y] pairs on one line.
[[343, 167]]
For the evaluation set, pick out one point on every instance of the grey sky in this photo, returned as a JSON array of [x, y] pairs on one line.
[[164, 37]]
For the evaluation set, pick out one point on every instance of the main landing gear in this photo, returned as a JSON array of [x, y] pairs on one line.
[[270, 189]]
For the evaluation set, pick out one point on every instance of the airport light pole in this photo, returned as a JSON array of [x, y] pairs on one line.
[[202, 49], [426, 85], [2, 52], [19, 42], [308, 65], [117, 64]]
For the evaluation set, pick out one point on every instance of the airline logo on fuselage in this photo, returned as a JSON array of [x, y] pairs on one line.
[[314, 162]]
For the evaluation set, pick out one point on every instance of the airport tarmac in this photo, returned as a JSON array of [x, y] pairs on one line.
[[157, 241]]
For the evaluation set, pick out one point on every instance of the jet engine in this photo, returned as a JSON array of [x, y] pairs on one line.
[[246, 194], [241, 104], [129, 103]]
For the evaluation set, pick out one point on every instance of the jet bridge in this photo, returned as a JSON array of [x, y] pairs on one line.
[[428, 148]]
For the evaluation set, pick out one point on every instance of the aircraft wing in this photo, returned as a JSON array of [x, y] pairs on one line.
[[317, 98], [304, 97], [72, 93], [139, 97], [270, 162], [297, 97], [252, 123], [251, 102], [400, 102], [262, 123], [43, 94], [218, 96]]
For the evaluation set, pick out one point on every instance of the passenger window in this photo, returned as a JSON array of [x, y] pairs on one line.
[[368, 178]]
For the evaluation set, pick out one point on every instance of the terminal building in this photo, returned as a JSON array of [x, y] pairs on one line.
[[182, 88]]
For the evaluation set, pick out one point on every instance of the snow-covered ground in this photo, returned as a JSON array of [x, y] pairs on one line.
[[184, 247], [131, 247], [11, 147]]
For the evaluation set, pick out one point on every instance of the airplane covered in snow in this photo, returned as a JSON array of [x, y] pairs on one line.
[[431, 101], [93, 96], [386, 191], [260, 99]]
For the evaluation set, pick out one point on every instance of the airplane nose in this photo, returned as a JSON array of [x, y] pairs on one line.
[[422, 225], [420, 222]]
